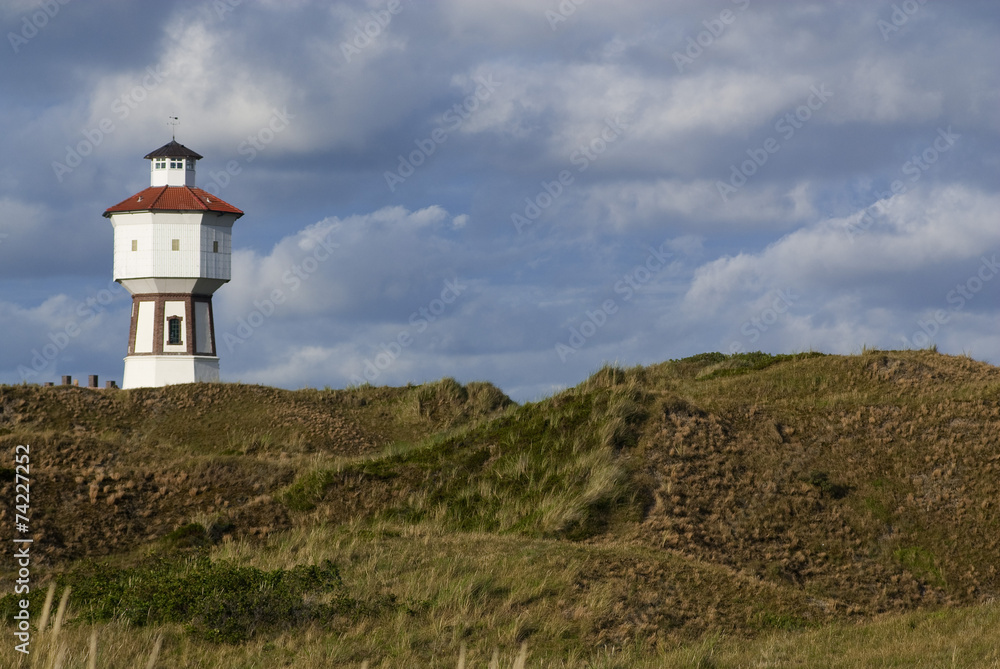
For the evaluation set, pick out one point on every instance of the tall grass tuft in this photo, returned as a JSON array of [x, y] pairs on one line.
[[156, 652], [49, 645], [47, 607], [522, 657], [92, 657]]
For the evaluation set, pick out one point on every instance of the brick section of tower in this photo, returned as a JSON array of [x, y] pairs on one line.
[[159, 301]]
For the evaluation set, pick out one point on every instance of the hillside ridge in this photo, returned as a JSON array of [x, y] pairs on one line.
[[714, 494]]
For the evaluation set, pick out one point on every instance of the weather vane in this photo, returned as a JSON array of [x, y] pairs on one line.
[[173, 122]]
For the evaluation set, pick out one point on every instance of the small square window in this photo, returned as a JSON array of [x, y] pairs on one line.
[[160, 163], [176, 163], [135, 244], [215, 247], [175, 245]]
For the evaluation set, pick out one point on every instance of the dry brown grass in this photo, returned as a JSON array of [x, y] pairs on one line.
[[706, 512], [959, 638]]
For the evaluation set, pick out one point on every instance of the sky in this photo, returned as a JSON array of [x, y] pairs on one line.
[[516, 191]]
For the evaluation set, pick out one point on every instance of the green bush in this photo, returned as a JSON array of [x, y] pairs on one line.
[[192, 535], [217, 601]]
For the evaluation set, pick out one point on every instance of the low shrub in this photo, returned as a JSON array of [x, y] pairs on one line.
[[216, 601]]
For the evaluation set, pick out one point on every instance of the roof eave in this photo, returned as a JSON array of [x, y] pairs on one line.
[[108, 213], [173, 149]]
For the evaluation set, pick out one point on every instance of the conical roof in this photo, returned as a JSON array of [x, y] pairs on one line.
[[173, 150]]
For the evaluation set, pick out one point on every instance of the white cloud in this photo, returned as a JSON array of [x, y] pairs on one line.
[[656, 107], [880, 90], [921, 230], [63, 334], [558, 87], [352, 267], [858, 281], [696, 205]]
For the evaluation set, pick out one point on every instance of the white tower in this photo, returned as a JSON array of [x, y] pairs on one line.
[[173, 249]]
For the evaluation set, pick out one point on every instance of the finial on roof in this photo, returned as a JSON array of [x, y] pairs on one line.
[[173, 122]]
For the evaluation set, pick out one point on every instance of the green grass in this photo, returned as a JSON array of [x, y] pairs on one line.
[[216, 601], [741, 363], [548, 470], [920, 561], [746, 510]]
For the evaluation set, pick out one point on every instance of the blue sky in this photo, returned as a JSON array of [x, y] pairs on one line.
[[515, 191]]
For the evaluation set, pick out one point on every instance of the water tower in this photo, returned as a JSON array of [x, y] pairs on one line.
[[173, 250]]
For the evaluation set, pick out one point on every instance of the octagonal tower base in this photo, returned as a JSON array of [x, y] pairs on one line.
[[151, 371]]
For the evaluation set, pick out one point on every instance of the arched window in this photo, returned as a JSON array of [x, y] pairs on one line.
[[174, 331]]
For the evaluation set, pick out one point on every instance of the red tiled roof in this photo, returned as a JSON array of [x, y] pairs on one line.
[[173, 198]]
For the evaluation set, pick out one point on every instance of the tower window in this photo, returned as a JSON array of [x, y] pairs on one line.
[[176, 163], [135, 244], [175, 245], [215, 247], [160, 163], [174, 331]]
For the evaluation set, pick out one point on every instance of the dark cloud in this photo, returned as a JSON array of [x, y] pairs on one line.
[[470, 141]]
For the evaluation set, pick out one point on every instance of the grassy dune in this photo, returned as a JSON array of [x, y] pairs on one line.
[[717, 511], [957, 637]]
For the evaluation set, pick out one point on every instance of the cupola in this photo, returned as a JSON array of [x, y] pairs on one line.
[[172, 164]]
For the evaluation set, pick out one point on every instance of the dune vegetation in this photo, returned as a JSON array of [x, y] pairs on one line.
[[717, 511]]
